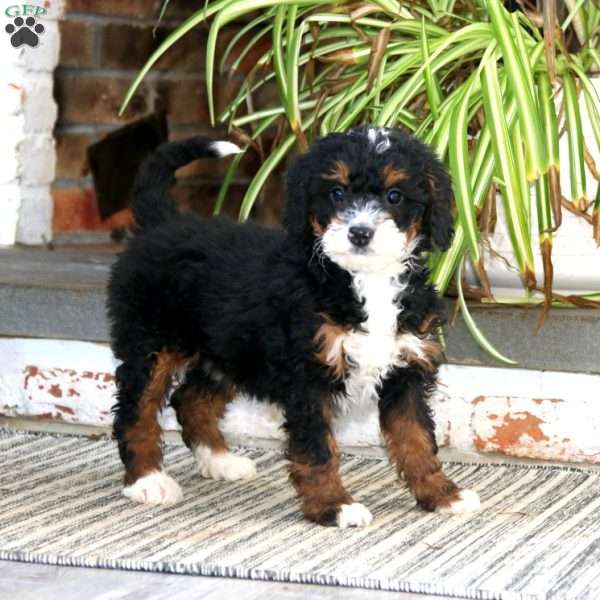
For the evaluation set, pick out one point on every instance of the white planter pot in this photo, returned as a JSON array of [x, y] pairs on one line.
[[575, 256]]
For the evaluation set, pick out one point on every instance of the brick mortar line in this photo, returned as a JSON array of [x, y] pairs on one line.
[[92, 128], [87, 128], [188, 182], [130, 74], [97, 44], [83, 17]]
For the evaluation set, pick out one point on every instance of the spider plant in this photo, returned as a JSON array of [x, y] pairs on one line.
[[492, 91]]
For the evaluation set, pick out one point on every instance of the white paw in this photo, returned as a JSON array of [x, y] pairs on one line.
[[353, 515], [223, 465], [155, 488], [468, 502]]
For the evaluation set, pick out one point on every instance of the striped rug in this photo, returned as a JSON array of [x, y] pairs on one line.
[[538, 535]]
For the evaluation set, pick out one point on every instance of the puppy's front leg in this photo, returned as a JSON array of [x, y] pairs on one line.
[[409, 432], [314, 470]]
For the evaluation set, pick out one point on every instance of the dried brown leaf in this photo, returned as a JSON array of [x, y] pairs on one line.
[[378, 47], [549, 22], [546, 250], [555, 195]]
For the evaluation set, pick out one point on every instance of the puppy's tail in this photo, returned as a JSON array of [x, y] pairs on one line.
[[152, 203]]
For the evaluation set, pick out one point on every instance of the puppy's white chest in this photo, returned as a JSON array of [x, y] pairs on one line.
[[373, 351]]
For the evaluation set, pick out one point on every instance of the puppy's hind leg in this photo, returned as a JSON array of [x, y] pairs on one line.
[[199, 404], [141, 387]]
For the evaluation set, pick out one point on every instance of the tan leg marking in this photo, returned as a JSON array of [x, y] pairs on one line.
[[143, 439], [199, 415], [323, 498], [411, 450]]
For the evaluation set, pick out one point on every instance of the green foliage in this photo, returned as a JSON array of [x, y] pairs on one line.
[[477, 83]]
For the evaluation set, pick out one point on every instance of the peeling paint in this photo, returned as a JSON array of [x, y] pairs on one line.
[[29, 372], [513, 431], [522, 413], [82, 394], [55, 391], [542, 400]]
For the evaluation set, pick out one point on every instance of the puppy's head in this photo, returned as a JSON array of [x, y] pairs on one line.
[[369, 198]]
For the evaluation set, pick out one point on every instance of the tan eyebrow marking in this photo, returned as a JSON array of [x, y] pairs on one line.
[[340, 173], [392, 175]]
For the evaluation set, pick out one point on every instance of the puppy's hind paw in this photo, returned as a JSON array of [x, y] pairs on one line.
[[154, 488], [223, 465], [467, 502], [353, 515]]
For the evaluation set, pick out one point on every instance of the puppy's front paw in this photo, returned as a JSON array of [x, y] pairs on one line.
[[223, 465], [154, 488], [466, 501], [353, 515]]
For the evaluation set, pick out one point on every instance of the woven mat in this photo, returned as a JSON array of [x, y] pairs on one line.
[[538, 535]]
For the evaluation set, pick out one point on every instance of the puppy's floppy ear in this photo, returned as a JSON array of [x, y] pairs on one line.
[[295, 217], [438, 214]]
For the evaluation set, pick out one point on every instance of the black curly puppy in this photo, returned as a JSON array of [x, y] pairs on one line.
[[331, 311]]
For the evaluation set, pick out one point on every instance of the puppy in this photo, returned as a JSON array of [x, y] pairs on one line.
[[330, 311]]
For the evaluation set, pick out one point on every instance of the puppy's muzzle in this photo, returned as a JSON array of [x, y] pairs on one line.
[[360, 235]]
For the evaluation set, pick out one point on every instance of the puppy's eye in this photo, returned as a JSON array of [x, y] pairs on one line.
[[394, 196], [337, 194]]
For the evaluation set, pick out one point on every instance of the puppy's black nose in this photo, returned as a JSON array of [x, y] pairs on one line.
[[360, 235]]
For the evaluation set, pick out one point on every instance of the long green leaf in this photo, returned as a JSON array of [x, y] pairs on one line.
[[519, 154], [466, 40], [293, 76], [544, 209], [247, 49], [512, 194], [434, 95], [232, 10], [481, 180], [592, 100], [576, 144], [278, 57], [460, 171], [263, 173], [477, 334], [239, 35], [226, 183], [177, 34], [521, 86]]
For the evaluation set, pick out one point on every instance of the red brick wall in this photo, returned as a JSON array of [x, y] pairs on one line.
[[103, 45]]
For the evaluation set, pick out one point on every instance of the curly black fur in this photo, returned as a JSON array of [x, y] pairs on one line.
[[247, 300]]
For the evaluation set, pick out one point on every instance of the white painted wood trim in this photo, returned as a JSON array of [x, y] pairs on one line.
[[534, 414], [27, 117]]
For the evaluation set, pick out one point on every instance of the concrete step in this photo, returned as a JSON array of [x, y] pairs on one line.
[[57, 367], [61, 295]]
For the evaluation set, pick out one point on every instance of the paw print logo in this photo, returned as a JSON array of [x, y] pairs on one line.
[[24, 32]]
